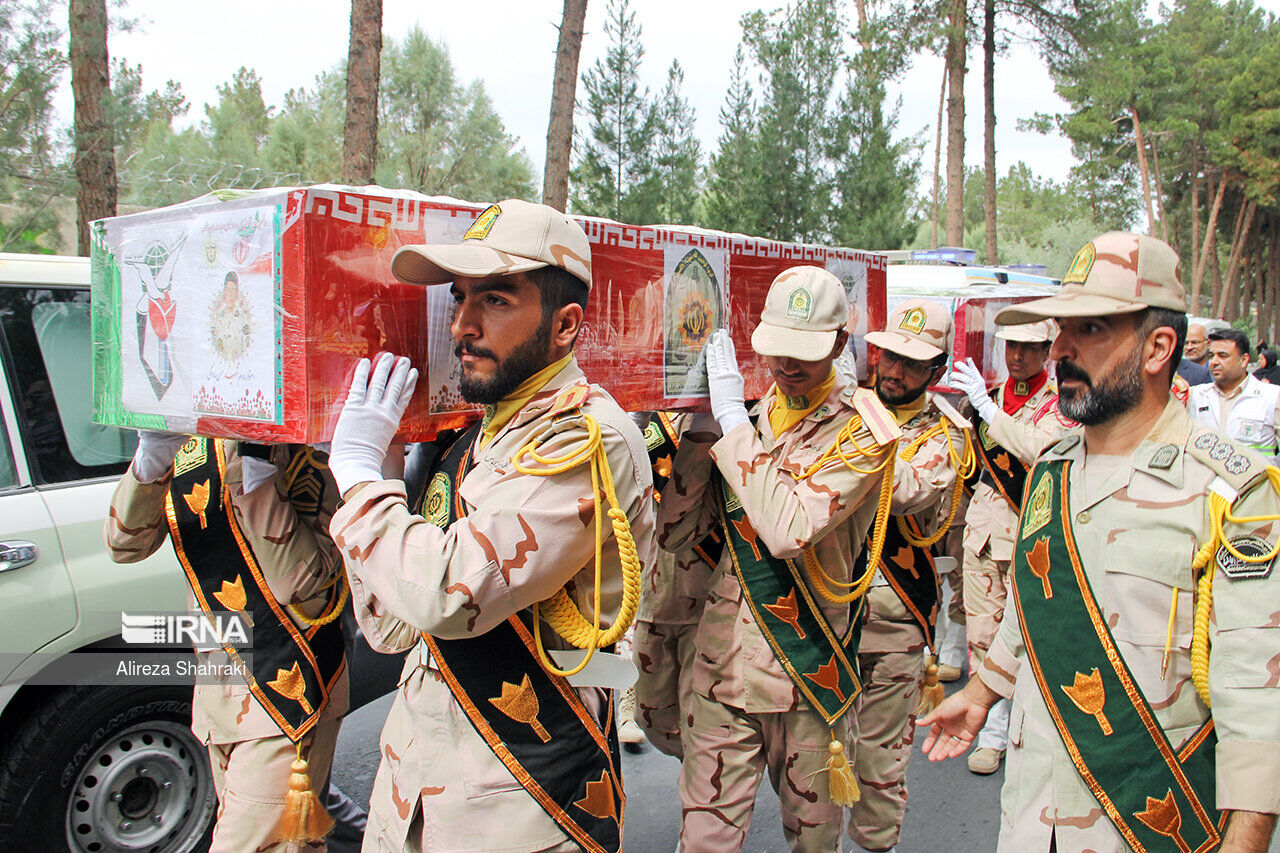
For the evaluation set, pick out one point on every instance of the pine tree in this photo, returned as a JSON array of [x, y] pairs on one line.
[[613, 155], [669, 193], [728, 202]]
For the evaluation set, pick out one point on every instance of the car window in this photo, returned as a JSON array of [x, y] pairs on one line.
[[47, 351], [8, 472]]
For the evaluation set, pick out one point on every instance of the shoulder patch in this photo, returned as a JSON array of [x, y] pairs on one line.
[[1063, 445], [875, 417], [1248, 546], [1230, 461]]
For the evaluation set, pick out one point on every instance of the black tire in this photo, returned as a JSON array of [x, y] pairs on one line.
[[107, 769]]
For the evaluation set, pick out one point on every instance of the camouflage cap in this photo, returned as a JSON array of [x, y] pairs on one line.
[[917, 329], [1040, 332], [1115, 273], [508, 237], [803, 312]]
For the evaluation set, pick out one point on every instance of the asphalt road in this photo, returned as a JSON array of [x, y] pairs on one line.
[[950, 808]]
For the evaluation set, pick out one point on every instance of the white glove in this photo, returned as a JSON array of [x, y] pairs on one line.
[[725, 382], [369, 420], [254, 472], [846, 365], [965, 376], [156, 449]]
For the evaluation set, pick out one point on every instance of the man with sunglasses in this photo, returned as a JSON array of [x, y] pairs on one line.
[[901, 608]]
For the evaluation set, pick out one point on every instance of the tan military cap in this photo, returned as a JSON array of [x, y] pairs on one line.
[[1040, 332], [1116, 273], [917, 329], [508, 237], [803, 312]]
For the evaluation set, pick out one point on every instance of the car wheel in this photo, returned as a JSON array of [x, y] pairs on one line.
[[108, 769]]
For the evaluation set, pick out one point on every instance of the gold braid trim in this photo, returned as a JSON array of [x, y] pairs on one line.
[[560, 611], [963, 462]]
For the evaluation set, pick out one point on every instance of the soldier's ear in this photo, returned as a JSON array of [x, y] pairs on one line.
[[566, 322]]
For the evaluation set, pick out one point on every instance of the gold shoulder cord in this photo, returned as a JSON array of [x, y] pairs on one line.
[[1219, 510], [963, 463], [560, 610], [821, 581]]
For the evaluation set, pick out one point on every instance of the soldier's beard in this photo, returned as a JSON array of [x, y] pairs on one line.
[[526, 359], [1117, 393]]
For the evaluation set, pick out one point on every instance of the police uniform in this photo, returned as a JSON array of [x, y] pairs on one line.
[[488, 746], [748, 711], [1137, 606], [899, 624], [249, 754], [675, 591]]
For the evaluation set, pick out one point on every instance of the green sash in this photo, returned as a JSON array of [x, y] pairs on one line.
[[294, 668], [821, 664], [1153, 795], [535, 722]]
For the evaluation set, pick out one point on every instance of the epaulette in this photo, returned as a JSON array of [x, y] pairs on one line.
[[875, 417], [1063, 445], [1236, 465], [950, 413], [570, 397]]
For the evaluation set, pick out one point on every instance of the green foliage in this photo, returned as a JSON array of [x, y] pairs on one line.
[[31, 169], [729, 202], [669, 192], [438, 136], [612, 158]]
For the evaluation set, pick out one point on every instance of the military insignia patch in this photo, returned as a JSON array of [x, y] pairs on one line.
[[822, 412], [483, 224], [1248, 546], [800, 304], [1080, 265], [984, 436], [191, 455], [1205, 441], [1164, 457], [1237, 464], [913, 321], [653, 436], [435, 507], [1039, 509]]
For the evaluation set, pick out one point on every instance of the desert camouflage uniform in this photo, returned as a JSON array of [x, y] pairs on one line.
[[1136, 535], [675, 590], [990, 522], [249, 754], [439, 786], [891, 654], [747, 714]]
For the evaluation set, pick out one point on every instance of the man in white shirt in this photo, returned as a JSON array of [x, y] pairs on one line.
[[1237, 403]]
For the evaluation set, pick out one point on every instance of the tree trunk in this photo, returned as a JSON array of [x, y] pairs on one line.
[[989, 127], [364, 62], [1142, 168], [1195, 225], [1244, 225], [937, 157], [1197, 276], [1273, 283], [957, 46], [1158, 190], [555, 175], [95, 160]]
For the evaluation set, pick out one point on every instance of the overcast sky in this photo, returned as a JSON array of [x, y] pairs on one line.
[[511, 44]]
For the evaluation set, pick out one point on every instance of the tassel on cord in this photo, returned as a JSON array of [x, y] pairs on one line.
[[305, 819], [931, 693], [842, 786]]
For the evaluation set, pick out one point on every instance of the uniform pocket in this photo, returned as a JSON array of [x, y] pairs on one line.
[[1140, 577]]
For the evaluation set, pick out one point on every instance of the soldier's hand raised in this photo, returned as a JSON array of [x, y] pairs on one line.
[[369, 419]]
